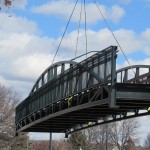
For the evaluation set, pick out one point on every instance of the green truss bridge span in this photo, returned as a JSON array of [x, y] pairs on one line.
[[70, 96]]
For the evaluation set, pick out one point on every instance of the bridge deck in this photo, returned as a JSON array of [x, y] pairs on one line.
[[93, 111]]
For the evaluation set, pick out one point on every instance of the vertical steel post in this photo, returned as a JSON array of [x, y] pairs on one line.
[[137, 72], [42, 78], [113, 78], [62, 84], [70, 81], [125, 76], [80, 82], [50, 141], [55, 88]]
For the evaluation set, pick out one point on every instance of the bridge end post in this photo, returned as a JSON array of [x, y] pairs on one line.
[[112, 103]]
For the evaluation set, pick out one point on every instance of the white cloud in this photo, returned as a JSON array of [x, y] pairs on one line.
[[20, 3], [22, 50], [30, 66], [146, 39], [24, 54], [114, 13], [145, 61], [21, 86], [27, 55], [97, 40], [23, 57], [129, 40], [16, 24], [17, 4]]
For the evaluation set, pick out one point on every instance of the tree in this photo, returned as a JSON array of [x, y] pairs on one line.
[[78, 141], [21, 142], [5, 5], [8, 101], [130, 145], [97, 135], [61, 145], [121, 132], [147, 142]]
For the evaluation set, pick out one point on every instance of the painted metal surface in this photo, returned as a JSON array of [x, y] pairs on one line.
[[68, 95]]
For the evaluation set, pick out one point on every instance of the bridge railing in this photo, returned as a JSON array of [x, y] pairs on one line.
[[134, 74]]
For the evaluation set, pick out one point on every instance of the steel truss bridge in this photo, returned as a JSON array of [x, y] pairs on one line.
[[70, 96]]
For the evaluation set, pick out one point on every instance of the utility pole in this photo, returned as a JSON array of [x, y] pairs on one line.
[[27, 141], [106, 132], [106, 137], [50, 141]]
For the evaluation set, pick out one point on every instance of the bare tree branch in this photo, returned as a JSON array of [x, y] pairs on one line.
[[8, 101]]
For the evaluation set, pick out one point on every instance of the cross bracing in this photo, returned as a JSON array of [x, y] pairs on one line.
[[88, 93]]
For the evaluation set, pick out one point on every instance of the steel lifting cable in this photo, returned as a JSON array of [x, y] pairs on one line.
[[64, 31], [85, 27], [78, 32], [114, 35]]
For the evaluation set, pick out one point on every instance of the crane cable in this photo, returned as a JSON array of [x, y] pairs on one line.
[[85, 28], [64, 32], [78, 32], [114, 36]]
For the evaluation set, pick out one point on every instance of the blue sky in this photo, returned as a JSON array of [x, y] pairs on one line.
[[29, 38]]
